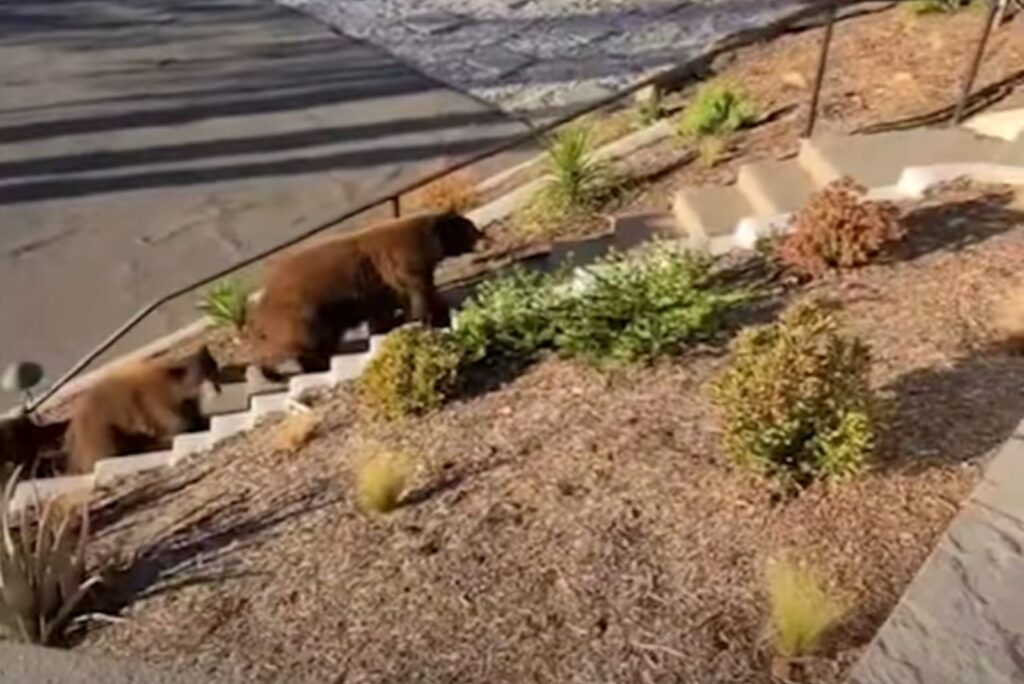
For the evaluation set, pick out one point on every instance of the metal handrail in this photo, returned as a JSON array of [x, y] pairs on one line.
[[393, 198]]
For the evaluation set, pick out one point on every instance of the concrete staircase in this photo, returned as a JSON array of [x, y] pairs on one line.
[[893, 164]]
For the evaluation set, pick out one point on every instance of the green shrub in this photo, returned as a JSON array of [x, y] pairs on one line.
[[225, 303], [938, 6], [511, 317], [414, 371], [802, 611], [637, 309], [575, 182], [717, 109], [795, 400]]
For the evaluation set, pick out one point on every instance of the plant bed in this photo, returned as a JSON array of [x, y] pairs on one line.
[[574, 522], [884, 68]]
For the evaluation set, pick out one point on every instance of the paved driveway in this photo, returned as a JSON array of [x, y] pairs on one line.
[[145, 143]]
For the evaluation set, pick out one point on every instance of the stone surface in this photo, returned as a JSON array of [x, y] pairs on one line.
[[543, 56], [962, 618], [147, 143], [23, 664]]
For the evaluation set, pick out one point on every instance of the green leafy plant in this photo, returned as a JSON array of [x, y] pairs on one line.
[[839, 228], [802, 611], [938, 6], [795, 399], [717, 110], [226, 303], [511, 317], [381, 477], [575, 181], [42, 568], [414, 371], [637, 309]]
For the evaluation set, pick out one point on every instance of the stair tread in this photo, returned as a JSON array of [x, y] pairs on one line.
[[877, 160], [776, 186], [711, 210]]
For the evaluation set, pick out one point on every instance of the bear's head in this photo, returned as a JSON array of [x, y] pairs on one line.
[[458, 235], [276, 332]]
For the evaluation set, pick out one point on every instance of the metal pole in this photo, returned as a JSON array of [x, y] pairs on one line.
[[826, 43], [972, 71]]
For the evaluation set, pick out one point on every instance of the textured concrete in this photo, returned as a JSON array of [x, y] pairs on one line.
[[150, 142], [962, 619], [534, 56], [21, 664]]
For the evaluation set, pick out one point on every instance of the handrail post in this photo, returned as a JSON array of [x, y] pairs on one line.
[[819, 77], [972, 70]]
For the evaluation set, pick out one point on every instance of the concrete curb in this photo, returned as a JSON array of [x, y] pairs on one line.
[[959, 618]]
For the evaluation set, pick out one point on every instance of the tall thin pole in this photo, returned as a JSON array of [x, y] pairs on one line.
[[819, 77]]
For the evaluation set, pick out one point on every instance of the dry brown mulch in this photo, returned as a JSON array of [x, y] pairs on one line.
[[574, 525]]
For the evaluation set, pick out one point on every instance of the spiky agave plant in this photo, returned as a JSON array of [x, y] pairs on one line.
[[42, 568]]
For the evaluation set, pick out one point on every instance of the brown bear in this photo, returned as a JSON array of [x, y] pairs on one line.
[[141, 404], [313, 295]]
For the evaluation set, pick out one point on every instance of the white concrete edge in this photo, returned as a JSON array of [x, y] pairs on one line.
[[1007, 124]]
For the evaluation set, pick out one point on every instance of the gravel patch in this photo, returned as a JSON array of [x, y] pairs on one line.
[[535, 56]]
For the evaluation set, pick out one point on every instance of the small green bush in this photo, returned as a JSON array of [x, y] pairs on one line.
[[511, 317], [225, 303], [795, 400], [381, 478], [802, 611], [637, 309], [414, 371], [717, 109], [575, 182], [938, 6]]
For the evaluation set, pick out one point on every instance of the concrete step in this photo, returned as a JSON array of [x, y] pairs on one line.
[[1003, 120], [233, 397], [878, 160], [704, 214], [775, 187], [190, 443], [230, 424]]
